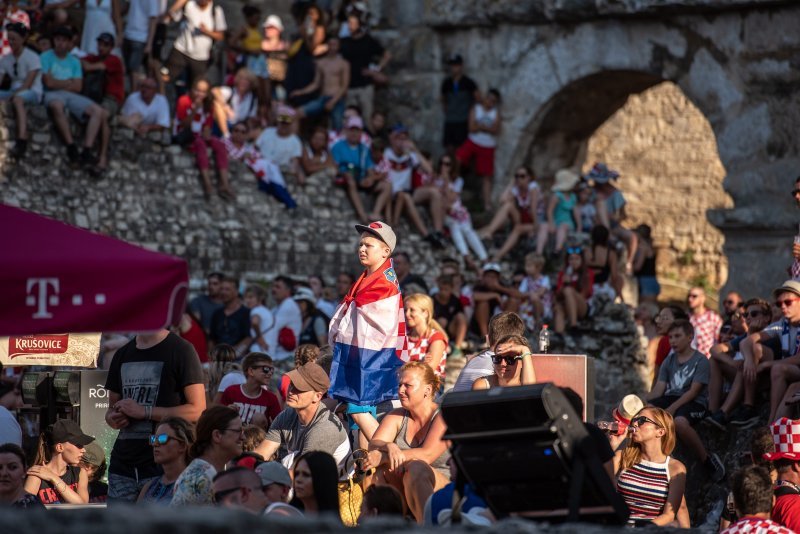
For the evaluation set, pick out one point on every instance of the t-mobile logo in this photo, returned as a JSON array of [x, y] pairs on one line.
[[40, 297]]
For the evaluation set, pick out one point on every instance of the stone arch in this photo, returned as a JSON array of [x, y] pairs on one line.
[[567, 120]]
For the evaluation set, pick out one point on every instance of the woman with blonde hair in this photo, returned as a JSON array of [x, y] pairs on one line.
[[650, 482], [407, 448], [236, 104], [513, 364], [427, 340]]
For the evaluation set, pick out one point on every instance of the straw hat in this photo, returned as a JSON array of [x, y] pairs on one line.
[[566, 180], [629, 406]]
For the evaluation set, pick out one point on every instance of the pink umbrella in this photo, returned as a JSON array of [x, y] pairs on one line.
[[58, 278]]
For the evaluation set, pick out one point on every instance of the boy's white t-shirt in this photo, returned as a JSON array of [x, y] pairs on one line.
[[400, 169]]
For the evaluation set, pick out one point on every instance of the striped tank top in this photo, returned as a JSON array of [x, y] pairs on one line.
[[644, 487]]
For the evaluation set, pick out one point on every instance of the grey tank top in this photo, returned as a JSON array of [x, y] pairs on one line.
[[439, 464]]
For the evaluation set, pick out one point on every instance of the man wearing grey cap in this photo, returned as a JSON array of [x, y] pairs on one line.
[[276, 484], [783, 367], [306, 424]]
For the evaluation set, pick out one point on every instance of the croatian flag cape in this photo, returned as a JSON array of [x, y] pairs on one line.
[[368, 336]]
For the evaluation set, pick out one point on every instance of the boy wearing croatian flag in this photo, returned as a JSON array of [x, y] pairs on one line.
[[368, 331]]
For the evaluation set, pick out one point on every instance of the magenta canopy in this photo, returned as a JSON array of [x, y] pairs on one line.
[[56, 278]]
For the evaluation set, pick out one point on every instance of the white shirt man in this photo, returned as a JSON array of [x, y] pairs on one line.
[[156, 112], [191, 41]]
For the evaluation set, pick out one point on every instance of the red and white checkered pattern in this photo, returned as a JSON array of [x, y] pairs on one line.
[[417, 350], [755, 525], [786, 435], [706, 330]]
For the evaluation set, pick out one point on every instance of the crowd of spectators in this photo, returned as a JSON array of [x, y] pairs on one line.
[[240, 413]]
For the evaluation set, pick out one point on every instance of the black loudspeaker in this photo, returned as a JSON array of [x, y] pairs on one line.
[[527, 453]]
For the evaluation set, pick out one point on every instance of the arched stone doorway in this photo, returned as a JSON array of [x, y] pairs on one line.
[[666, 152]]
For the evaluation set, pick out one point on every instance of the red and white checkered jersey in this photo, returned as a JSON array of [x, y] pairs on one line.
[[417, 349], [756, 525], [706, 330]]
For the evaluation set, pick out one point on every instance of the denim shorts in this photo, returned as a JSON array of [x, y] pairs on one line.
[[122, 489], [73, 102], [29, 96]]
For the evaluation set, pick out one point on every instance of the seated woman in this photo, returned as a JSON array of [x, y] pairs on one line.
[[171, 444], [315, 484], [562, 212], [237, 104], [521, 204], [573, 290], [316, 156], [219, 440], [55, 476], [513, 364], [193, 120], [407, 448], [427, 340], [649, 481], [12, 485]]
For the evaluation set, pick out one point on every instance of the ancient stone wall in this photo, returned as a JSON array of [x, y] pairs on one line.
[[565, 67], [671, 175]]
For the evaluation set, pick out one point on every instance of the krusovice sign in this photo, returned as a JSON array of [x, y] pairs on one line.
[[72, 350]]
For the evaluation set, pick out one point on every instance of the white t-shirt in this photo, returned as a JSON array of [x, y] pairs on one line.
[[10, 431], [28, 61], [478, 367], [266, 324], [156, 112], [280, 150], [234, 378], [287, 315], [400, 169], [138, 19], [191, 41], [243, 107], [484, 117]]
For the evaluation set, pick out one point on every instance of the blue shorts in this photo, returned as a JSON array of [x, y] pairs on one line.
[[649, 286], [29, 96], [73, 102]]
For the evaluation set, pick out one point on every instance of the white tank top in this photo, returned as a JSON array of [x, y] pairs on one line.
[[484, 117]]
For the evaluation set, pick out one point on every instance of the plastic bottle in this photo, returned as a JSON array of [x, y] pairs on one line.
[[613, 427], [544, 340]]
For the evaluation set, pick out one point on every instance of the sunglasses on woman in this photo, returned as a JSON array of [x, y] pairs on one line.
[[162, 439], [640, 420], [510, 359], [574, 250]]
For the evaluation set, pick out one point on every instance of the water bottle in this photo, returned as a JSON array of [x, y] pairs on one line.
[[544, 340], [612, 427]]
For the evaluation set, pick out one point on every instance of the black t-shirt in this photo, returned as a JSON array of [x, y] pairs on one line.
[[300, 72], [230, 329], [459, 97], [47, 492], [98, 491], [360, 52], [152, 377], [448, 310]]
